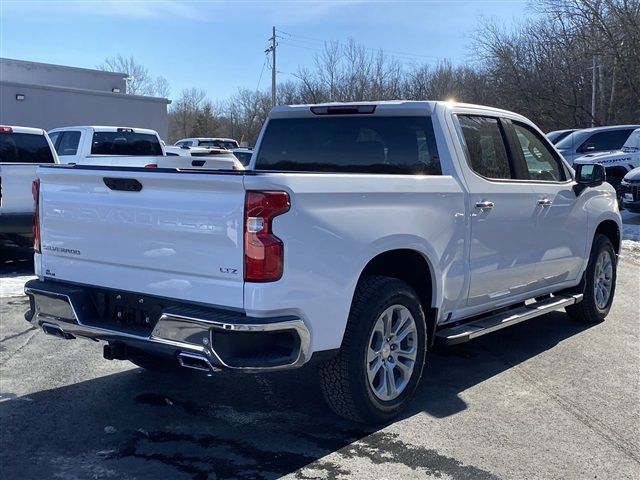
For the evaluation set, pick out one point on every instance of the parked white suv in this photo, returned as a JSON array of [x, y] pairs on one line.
[[22, 149], [359, 236], [617, 163]]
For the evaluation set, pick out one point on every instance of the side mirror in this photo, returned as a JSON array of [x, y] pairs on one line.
[[589, 175]]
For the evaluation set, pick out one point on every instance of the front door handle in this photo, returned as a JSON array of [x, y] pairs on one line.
[[545, 202], [484, 205]]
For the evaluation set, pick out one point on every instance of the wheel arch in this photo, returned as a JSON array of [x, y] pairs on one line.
[[611, 230], [414, 268]]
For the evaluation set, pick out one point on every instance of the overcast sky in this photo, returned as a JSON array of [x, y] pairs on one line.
[[219, 46]]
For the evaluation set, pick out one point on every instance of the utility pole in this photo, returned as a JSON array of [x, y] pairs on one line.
[[593, 93], [272, 49]]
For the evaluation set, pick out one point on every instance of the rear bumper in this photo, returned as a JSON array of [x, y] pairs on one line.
[[210, 337], [20, 223]]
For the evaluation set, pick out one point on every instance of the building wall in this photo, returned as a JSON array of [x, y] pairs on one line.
[[50, 107], [45, 74]]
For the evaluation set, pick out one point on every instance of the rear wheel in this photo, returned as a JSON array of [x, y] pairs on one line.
[[382, 354], [600, 283]]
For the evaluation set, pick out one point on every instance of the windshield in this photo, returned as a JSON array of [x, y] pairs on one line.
[[633, 142], [125, 143], [24, 148], [571, 140]]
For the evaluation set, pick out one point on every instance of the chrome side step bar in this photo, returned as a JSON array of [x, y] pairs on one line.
[[482, 326]]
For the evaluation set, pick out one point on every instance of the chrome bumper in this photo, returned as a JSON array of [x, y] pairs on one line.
[[183, 332]]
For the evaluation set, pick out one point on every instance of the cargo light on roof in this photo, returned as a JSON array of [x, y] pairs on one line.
[[343, 109]]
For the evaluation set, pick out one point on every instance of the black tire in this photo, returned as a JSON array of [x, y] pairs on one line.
[[155, 363], [588, 311], [344, 378]]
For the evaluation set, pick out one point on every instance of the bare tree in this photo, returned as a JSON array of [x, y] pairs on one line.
[[184, 112], [139, 81]]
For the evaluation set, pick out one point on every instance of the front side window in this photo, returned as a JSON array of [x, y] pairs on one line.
[[541, 163], [486, 149], [350, 144]]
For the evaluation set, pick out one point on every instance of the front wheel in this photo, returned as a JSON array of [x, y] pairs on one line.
[[382, 354], [600, 283]]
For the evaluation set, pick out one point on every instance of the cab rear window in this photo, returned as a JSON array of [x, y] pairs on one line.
[[24, 148], [125, 143], [350, 144]]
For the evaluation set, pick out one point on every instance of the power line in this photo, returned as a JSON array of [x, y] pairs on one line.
[[303, 41], [264, 64]]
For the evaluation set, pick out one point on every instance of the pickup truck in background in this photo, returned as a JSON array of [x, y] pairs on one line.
[[208, 142], [22, 149], [120, 146], [198, 157], [617, 163], [359, 235]]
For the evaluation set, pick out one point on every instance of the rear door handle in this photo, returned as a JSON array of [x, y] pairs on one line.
[[545, 202], [484, 205]]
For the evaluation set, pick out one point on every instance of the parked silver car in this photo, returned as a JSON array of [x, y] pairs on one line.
[[591, 140]]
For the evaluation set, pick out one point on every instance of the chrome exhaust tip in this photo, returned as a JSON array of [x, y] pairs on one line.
[[55, 330], [195, 362]]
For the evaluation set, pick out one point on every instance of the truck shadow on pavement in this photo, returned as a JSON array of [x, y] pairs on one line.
[[136, 424], [15, 259]]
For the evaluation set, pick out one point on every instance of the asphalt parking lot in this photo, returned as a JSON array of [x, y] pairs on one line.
[[546, 399]]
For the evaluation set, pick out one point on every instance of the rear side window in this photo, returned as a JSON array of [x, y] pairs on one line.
[[611, 140], [485, 144], [125, 143], [24, 148], [66, 143], [350, 144]]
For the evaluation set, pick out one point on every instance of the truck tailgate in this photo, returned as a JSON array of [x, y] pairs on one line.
[[178, 236], [15, 187]]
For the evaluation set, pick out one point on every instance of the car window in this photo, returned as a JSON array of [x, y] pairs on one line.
[[68, 142], [358, 144], [244, 157], [24, 148], [609, 140], [541, 163], [54, 138], [486, 150], [125, 143]]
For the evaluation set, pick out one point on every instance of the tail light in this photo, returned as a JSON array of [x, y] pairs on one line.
[[263, 251], [35, 190]]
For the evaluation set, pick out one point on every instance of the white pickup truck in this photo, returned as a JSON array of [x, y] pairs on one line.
[[118, 146], [359, 236], [22, 149]]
